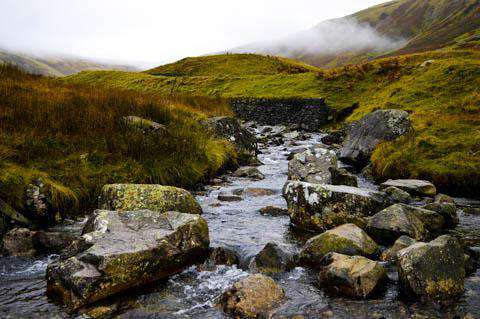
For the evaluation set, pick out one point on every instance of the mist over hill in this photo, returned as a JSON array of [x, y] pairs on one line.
[[402, 26]]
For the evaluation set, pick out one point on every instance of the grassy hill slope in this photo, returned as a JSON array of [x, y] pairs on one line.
[[442, 98], [231, 64], [73, 138], [56, 66]]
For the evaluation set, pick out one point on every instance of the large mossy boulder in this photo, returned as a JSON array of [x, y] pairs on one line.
[[312, 166], [434, 270], [128, 197], [318, 207], [398, 220], [252, 297], [353, 276], [348, 239], [230, 129], [123, 250], [365, 134], [412, 186], [447, 210]]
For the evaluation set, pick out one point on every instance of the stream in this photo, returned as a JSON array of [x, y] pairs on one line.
[[238, 225]]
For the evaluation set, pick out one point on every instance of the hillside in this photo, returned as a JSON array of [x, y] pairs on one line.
[[56, 66], [442, 98], [396, 27], [74, 138], [231, 65]]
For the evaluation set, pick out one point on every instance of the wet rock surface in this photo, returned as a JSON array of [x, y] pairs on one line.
[[253, 297], [127, 249], [347, 239], [353, 276], [412, 186], [321, 207], [435, 270], [272, 259]]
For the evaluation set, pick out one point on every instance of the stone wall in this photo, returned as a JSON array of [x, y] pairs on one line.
[[310, 113]]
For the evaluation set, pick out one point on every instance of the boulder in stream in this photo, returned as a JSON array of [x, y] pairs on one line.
[[365, 134], [354, 276], [252, 297], [340, 176], [27, 242], [320, 207], [128, 197], [390, 254], [447, 210], [126, 250], [347, 239], [272, 259], [249, 172], [312, 166], [434, 270], [412, 186], [398, 195]]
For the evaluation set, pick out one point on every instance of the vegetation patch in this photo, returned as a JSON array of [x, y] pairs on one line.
[[75, 139]]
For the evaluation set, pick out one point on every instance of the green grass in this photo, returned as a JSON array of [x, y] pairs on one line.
[[232, 65], [441, 98], [73, 138]]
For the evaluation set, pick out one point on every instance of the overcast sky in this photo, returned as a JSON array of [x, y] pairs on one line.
[[157, 31]]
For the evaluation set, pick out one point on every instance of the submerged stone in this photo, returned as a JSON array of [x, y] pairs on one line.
[[125, 250]]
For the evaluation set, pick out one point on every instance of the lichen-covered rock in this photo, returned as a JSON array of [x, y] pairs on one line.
[[223, 256], [249, 172], [448, 212], [321, 207], [398, 195], [391, 253], [272, 259], [365, 134], [128, 197], [348, 239], [312, 166], [354, 276], [412, 186], [230, 129], [126, 250], [434, 270], [340, 176], [394, 221], [252, 297]]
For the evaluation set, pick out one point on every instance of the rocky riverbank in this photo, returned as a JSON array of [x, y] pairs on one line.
[[300, 238]]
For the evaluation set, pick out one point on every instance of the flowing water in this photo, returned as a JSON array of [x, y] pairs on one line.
[[238, 226]]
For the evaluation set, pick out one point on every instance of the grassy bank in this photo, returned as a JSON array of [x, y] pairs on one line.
[[442, 98], [73, 138]]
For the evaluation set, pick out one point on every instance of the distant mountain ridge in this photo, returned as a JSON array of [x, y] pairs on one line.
[[395, 27], [57, 65]]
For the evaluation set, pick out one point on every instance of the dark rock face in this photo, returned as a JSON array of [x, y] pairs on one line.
[[252, 297], [26, 242], [434, 270], [223, 256], [333, 137], [448, 212], [354, 276], [310, 114], [340, 176], [229, 128], [347, 239], [38, 204], [397, 220], [125, 250], [318, 207], [272, 259], [365, 134]]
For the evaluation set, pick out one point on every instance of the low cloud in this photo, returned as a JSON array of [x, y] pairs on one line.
[[329, 37]]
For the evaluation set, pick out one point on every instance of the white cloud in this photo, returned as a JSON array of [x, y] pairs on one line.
[[155, 31]]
